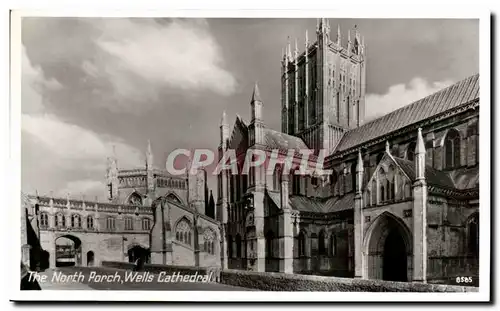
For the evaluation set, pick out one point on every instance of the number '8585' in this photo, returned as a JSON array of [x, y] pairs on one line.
[[463, 279]]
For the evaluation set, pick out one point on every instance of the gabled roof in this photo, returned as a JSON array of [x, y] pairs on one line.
[[453, 96], [432, 176], [278, 140]]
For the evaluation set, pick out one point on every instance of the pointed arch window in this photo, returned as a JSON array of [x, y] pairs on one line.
[[209, 242], [382, 180], [276, 178], [135, 199], [473, 145], [410, 152], [183, 232], [353, 175], [391, 185], [374, 192], [452, 149]]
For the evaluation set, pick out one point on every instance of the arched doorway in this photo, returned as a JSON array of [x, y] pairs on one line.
[[90, 258], [136, 251], [394, 266], [389, 249], [68, 251]]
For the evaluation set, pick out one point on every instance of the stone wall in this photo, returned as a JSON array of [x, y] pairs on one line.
[[293, 282]]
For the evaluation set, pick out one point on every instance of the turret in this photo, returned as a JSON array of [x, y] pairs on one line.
[[359, 173], [112, 177], [257, 124], [420, 157], [150, 176]]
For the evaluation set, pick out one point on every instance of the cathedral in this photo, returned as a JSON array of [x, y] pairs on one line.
[[148, 213], [402, 201]]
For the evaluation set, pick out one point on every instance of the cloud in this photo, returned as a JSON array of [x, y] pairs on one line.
[[76, 146], [53, 146], [89, 188], [33, 83], [400, 95], [180, 54]]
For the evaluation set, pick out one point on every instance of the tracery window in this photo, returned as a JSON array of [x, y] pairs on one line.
[[183, 232], [135, 199], [209, 242]]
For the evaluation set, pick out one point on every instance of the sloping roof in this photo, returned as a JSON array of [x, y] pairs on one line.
[[432, 176], [314, 205], [278, 140], [467, 178], [453, 96]]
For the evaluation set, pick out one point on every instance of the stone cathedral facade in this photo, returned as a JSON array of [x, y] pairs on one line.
[[149, 213], [402, 202]]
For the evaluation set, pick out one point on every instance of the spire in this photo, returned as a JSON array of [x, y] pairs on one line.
[[359, 166], [307, 41], [420, 148], [289, 50], [420, 157], [339, 36], [223, 120], [256, 93], [296, 50], [387, 147], [149, 156]]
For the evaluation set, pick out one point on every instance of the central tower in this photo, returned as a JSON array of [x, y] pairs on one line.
[[323, 88]]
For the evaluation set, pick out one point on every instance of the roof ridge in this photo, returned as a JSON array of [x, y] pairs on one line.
[[416, 101]]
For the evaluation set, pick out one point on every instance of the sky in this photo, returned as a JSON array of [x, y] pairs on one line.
[[89, 84]]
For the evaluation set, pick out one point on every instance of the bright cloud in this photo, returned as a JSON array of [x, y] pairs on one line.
[[181, 54], [400, 95], [63, 146], [89, 188]]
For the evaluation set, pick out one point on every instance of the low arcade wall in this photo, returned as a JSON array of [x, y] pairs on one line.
[[272, 281]]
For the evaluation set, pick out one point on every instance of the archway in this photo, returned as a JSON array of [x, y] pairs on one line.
[[68, 251], [90, 258], [389, 249], [394, 266], [138, 252]]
